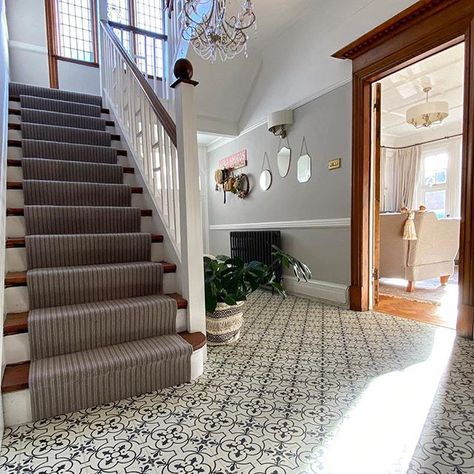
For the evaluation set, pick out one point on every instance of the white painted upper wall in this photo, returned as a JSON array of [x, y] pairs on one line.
[[291, 65], [29, 52], [298, 65]]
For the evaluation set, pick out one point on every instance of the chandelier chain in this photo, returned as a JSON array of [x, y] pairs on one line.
[[212, 32]]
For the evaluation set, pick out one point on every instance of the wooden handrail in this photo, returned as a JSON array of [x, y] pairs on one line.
[[160, 111], [138, 31]]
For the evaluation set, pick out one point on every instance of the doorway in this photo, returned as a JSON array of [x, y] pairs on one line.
[[419, 32], [417, 149]]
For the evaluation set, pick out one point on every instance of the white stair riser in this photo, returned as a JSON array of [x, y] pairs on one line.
[[15, 174], [17, 405], [15, 258], [17, 348], [16, 226], [15, 199], [16, 297]]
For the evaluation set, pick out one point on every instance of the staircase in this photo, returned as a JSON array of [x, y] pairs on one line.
[[92, 310]]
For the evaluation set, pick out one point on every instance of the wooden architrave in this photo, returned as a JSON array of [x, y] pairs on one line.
[[424, 29]]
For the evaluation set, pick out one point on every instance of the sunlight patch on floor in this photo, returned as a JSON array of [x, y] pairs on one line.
[[383, 428]]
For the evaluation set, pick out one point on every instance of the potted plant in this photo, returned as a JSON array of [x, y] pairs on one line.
[[228, 282]]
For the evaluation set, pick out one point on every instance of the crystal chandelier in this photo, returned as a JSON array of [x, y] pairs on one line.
[[427, 114], [212, 33]]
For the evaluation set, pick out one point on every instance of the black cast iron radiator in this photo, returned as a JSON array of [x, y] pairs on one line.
[[256, 245]]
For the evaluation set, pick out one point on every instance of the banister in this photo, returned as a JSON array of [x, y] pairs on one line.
[[160, 111], [139, 31]]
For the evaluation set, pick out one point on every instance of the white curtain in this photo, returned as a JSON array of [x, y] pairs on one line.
[[400, 177]]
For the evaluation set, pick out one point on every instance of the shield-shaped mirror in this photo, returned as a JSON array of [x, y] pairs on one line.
[[284, 160]]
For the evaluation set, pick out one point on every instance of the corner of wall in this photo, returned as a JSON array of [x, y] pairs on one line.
[[4, 80]]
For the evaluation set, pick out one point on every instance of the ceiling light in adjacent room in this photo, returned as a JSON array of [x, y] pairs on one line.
[[428, 113]]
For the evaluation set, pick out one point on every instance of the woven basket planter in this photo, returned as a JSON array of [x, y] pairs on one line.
[[223, 325]]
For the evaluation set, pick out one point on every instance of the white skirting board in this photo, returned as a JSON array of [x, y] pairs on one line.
[[17, 405], [322, 290]]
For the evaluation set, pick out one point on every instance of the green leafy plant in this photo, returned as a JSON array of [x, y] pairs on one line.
[[229, 280]]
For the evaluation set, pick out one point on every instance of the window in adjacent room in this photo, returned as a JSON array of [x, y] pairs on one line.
[[435, 183]]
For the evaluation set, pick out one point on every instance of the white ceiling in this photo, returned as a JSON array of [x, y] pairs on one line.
[[444, 72], [207, 139], [273, 16]]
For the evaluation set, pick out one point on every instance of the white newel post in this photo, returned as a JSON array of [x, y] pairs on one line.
[[192, 272]]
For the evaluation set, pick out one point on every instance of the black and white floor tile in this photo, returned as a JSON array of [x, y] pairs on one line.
[[309, 388]]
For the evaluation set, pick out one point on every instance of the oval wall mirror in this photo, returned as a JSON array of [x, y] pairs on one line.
[[283, 160], [265, 180], [304, 168]]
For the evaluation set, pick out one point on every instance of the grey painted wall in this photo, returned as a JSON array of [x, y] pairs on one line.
[[326, 124]]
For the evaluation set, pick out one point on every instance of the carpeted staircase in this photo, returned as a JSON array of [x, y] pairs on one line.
[[100, 328]]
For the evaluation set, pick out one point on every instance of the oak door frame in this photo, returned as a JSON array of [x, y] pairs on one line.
[[424, 29]]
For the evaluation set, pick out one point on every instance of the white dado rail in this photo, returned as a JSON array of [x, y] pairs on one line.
[[302, 224], [322, 290]]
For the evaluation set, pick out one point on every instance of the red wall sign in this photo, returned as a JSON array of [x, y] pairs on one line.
[[235, 161]]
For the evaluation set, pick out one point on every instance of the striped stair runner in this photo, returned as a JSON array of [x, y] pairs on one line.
[[63, 106], [56, 170], [68, 151], [62, 119], [100, 328]]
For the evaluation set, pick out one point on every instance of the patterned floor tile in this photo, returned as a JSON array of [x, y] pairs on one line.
[[309, 388]]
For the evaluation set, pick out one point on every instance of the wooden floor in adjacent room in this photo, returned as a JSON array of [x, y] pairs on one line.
[[444, 315]]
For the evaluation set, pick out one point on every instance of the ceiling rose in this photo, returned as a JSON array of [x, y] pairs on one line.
[[428, 113], [214, 33]]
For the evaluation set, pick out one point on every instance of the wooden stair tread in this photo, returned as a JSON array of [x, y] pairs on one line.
[[18, 185], [17, 126], [19, 278], [16, 98], [16, 376], [196, 339], [108, 123], [19, 211], [17, 143], [19, 242], [17, 323]]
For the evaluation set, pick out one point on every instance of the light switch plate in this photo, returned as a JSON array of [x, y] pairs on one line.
[[334, 164]]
